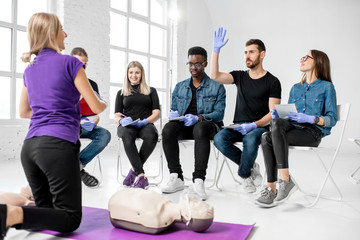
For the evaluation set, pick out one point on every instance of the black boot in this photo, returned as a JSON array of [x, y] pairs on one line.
[[3, 215]]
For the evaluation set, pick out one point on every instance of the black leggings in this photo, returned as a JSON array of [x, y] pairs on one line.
[[201, 132], [148, 134], [275, 143], [52, 169]]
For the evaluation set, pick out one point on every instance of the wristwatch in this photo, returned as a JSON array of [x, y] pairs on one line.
[[317, 119], [201, 118]]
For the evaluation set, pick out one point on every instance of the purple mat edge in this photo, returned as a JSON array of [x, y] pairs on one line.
[[178, 230]]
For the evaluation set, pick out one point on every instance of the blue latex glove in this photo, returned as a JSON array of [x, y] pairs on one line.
[[173, 114], [189, 120], [219, 39], [140, 124], [301, 117], [87, 124], [125, 121], [246, 128], [274, 113]]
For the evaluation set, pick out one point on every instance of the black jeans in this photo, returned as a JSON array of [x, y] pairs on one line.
[[276, 142], [52, 169], [148, 134], [201, 132]]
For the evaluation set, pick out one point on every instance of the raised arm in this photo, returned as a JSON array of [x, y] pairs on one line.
[[83, 86], [219, 42]]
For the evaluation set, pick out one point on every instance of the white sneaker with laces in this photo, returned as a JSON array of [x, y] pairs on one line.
[[248, 185], [199, 188], [174, 184], [256, 175]]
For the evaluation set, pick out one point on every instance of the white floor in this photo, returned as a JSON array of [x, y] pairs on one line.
[[327, 220]]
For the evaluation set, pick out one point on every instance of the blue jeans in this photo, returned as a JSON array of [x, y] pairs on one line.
[[224, 141], [100, 138]]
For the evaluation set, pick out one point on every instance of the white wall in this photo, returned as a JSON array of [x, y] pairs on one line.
[[289, 29]]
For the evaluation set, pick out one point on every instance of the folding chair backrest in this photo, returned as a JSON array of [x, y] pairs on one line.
[[343, 113]]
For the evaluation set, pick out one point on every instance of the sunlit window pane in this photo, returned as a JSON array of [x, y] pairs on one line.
[[117, 66], [5, 49], [157, 73], [157, 40], [158, 11], [140, 7], [19, 86], [117, 30], [119, 5], [27, 8], [144, 62], [113, 92], [5, 10], [163, 102], [22, 46], [5, 98], [138, 35]]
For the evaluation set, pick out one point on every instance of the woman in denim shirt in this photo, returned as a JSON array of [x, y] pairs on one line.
[[315, 101]]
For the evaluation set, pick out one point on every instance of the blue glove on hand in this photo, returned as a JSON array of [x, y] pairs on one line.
[[274, 113], [189, 120], [140, 124], [219, 39], [87, 124], [125, 121], [173, 114], [301, 117], [246, 128]]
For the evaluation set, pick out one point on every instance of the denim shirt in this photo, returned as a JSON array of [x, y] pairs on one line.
[[210, 99], [316, 99]]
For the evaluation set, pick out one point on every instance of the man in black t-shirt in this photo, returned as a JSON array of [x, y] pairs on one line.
[[257, 91]]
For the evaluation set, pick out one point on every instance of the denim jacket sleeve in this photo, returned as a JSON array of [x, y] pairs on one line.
[[217, 115], [330, 108]]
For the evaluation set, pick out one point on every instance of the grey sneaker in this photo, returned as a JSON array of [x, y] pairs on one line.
[[199, 188], [256, 175], [248, 185], [285, 190], [266, 198], [175, 184]]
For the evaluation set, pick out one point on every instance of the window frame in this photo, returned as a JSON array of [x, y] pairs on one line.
[[146, 19]]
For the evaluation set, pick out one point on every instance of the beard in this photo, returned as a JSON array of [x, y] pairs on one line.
[[253, 64]]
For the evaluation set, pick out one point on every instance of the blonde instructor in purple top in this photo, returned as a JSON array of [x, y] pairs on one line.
[[50, 97]]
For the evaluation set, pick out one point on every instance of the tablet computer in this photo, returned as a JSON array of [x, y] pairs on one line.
[[177, 118], [132, 122], [284, 110], [232, 126]]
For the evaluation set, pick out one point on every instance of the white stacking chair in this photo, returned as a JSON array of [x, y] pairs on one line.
[[343, 112], [352, 175], [154, 179], [225, 161]]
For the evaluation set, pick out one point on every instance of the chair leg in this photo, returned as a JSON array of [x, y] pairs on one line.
[[328, 176], [220, 171], [352, 178], [100, 169], [216, 155]]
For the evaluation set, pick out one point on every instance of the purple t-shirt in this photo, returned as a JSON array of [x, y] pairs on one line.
[[53, 96]]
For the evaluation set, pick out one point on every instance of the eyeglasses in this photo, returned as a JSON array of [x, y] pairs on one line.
[[306, 58], [196, 65]]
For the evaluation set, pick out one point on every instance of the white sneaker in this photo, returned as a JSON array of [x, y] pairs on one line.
[[248, 185], [256, 175], [174, 184], [199, 188]]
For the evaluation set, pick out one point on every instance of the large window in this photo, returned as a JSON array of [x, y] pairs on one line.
[[139, 31], [14, 15]]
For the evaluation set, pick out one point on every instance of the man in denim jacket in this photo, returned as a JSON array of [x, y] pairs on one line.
[[197, 111]]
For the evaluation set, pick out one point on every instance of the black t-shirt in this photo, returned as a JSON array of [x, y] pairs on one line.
[[137, 105], [94, 85], [192, 109], [252, 101]]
